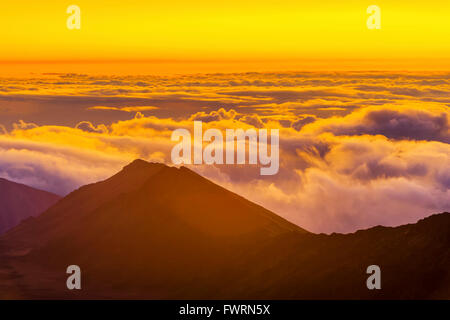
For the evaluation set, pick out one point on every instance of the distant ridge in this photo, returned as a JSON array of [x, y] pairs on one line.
[[18, 202], [158, 232]]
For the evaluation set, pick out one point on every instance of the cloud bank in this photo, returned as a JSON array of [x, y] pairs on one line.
[[351, 157]]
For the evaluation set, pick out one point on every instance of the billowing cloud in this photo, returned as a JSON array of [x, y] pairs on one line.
[[56, 168], [3, 130], [89, 127], [352, 154], [252, 119], [218, 115], [302, 121], [397, 122], [24, 125]]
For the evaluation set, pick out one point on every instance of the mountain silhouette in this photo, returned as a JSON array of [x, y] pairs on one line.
[[158, 232], [18, 202]]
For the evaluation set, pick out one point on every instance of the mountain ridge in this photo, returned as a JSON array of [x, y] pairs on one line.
[[158, 232], [19, 201]]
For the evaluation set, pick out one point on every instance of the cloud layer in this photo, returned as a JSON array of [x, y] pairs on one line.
[[356, 149]]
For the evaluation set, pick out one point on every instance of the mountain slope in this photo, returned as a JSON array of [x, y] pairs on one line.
[[157, 232], [18, 202], [160, 190]]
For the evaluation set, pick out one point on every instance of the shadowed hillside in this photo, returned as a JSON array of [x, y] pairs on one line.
[[18, 202], [159, 232]]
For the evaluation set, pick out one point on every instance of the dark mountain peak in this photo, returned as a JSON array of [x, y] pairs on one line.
[[135, 174], [16, 186], [142, 193], [437, 217], [435, 224], [143, 172], [19, 202], [140, 164], [155, 231], [6, 182]]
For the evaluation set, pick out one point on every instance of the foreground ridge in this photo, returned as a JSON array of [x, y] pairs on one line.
[[158, 232]]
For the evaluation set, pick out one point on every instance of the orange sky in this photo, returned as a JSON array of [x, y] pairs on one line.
[[236, 35], [367, 142]]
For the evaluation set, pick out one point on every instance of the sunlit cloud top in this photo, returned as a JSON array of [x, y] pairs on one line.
[[357, 149]]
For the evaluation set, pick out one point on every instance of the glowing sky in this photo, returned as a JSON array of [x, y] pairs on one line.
[[414, 33], [363, 114]]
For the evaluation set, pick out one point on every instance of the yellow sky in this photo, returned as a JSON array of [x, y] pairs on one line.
[[235, 30]]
